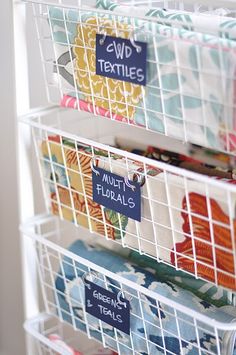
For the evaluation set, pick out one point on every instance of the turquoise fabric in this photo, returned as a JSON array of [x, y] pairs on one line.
[[183, 98], [154, 323], [208, 292], [209, 23]]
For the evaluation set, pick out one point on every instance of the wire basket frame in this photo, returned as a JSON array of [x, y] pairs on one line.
[[184, 5], [190, 93], [49, 237], [50, 336], [188, 220]]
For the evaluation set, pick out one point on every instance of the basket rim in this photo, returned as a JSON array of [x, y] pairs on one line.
[[27, 230], [31, 117]]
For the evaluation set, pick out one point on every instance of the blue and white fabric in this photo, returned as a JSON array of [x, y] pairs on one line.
[[155, 323]]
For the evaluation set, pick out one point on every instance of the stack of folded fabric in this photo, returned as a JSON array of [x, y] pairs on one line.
[[214, 22], [185, 162], [165, 230], [151, 321], [216, 296], [182, 98]]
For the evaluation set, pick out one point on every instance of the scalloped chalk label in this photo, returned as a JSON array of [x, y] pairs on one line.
[[119, 58], [117, 193], [107, 306]]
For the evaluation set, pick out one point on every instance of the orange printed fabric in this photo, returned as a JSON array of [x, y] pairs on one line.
[[204, 243], [69, 178], [210, 253]]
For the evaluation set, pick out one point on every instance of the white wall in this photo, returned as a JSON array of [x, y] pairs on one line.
[[11, 300]]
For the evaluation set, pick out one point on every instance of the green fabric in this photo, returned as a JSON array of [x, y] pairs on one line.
[[217, 296], [221, 26]]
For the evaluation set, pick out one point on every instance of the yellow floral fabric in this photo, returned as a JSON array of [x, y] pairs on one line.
[[118, 96]]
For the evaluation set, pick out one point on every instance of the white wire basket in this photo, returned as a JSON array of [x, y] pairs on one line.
[[185, 5], [159, 324], [187, 219], [190, 92], [50, 336]]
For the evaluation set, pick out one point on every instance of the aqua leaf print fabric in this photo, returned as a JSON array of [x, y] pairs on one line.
[[182, 96], [165, 54], [210, 23], [64, 24]]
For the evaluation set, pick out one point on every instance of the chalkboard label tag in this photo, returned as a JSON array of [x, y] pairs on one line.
[[119, 58], [117, 193], [106, 306]]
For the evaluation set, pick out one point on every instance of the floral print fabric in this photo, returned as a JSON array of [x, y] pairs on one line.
[[180, 224], [113, 95], [71, 193]]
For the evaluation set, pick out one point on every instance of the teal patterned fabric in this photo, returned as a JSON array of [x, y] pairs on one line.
[[190, 82], [155, 323], [208, 292], [212, 114], [209, 23]]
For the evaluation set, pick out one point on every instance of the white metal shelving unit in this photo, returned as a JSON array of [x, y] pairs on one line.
[[30, 67]]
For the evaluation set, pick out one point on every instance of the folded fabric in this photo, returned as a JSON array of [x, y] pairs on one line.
[[169, 231], [180, 225], [182, 98], [185, 162], [196, 154], [205, 291], [55, 338], [101, 352], [71, 102], [211, 22], [154, 324]]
